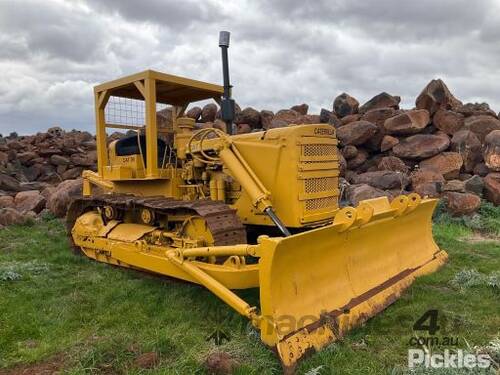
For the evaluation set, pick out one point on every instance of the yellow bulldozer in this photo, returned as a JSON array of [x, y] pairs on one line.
[[258, 210]]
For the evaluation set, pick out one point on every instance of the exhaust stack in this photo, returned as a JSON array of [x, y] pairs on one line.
[[227, 104]]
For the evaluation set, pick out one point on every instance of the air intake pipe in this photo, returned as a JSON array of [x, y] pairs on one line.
[[227, 104]]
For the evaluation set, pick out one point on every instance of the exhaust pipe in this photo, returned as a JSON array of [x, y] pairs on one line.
[[227, 104]]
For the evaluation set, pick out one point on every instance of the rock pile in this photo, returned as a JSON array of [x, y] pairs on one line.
[[33, 168], [441, 148], [37, 161]]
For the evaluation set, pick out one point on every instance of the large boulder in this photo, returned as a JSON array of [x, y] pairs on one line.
[[163, 120], [384, 180], [421, 146], [59, 160], [492, 150], [220, 124], [12, 155], [4, 158], [435, 96], [392, 163], [448, 164], [328, 117], [15, 145], [481, 169], [33, 172], [55, 132], [194, 113], [345, 105], [468, 145], [349, 118], [378, 116], [409, 122], [9, 183], [388, 142], [266, 117], [62, 196], [349, 152], [249, 116], [457, 186], [492, 187], [204, 125], [356, 133], [300, 108], [36, 185], [82, 137], [380, 101], [285, 117], [89, 145], [357, 193], [48, 174], [459, 204], [72, 173], [475, 185], [324, 115], [208, 113], [243, 129], [309, 119], [448, 121], [30, 200], [6, 201], [481, 125], [358, 160], [26, 157], [84, 160], [51, 150], [48, 191], [277, 123], [11, 216], [471, 109], [429, 189], [427, 182], [371, 164]]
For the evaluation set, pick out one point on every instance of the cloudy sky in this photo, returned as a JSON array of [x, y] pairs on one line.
[[283, 53]]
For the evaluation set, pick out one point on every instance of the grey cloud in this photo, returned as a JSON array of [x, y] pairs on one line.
[[407, 19], [282, 52], [51, 29], [13, 46], [171, 14]]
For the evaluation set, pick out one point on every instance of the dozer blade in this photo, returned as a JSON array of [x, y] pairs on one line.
[[317, 285]]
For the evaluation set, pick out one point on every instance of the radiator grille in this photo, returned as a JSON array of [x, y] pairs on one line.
[[319, 203], [317, 185], [319, 149]]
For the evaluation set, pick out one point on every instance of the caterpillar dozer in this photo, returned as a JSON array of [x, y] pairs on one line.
[[258, 210]]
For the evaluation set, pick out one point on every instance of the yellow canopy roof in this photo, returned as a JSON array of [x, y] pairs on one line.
[[170, 89]]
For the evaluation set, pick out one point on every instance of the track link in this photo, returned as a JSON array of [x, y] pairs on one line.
[[221, 219]]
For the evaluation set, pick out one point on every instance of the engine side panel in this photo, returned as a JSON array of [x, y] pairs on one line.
[[299, 166]]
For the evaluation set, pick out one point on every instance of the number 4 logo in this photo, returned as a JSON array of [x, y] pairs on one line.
[[432, 317]]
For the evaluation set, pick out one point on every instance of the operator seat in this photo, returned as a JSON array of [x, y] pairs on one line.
[[130, 146]]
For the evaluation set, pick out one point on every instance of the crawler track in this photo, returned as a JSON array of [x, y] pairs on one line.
[[222, 220]]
